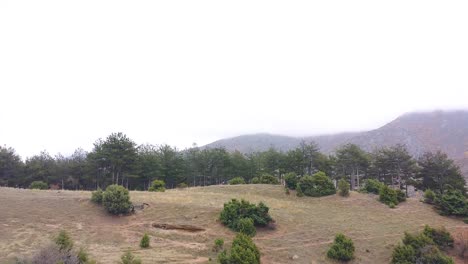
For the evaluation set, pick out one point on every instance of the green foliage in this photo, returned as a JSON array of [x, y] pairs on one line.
[[465, 220], [243, 251], [441, 237], [182, 185], [291, 180], [255, 180], [83, 256], [392, 205], [299, 192], [343, 187], [96, 196], [236, 181], [218, 244], [268, 179], [63, 241], [429, 196], [452, 202], [116, 199], [235, 210], [403, 254], [390, 196], [129, 258], [145, 241], [423, 248], [317, 185], [373, 186], [246, 226], [341, 249], [157, 186], [40, 185]]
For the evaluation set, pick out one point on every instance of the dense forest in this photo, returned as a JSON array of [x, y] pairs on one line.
[[119, 160]]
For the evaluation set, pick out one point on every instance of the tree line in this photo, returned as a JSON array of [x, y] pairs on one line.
[[119, 160]]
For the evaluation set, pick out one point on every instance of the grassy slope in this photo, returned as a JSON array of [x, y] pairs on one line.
[[305, 226]]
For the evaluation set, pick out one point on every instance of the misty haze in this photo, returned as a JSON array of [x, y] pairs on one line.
[[240, 132]]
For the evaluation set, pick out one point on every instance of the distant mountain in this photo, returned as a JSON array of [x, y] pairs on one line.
[[420, 132]]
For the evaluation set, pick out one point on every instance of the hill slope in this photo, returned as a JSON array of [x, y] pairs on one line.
[[305, 226], [420, 132]]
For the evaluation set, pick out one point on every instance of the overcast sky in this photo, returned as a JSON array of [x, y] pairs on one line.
[[179, 72]]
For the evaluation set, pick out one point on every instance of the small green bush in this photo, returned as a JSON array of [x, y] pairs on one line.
[[373, 186], [255, 180], [291, 180], [441, 237], [235, 210], [452, 202], [343, 187], [116, 199], [286, 191], [40, 185], [342, 248], [392, 205], [129, 258], [236, 181], [157, 186], [218, 244], [243, 251], [299, 192], [390, 196], [317, 185], [83, 256], [63, 241], [429, 196], [432, 254], [417, 241], [145, 241], [96, 196], [246, 226], [403, 254], [268, 179]]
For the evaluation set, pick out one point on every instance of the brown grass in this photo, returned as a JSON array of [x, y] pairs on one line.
[[305, 226]]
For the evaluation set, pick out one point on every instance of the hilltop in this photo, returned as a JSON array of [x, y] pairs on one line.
[[420, 132], [304, 226]]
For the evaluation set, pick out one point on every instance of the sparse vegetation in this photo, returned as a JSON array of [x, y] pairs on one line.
[[145, 241], [236, 181], [218, 244], [116, 199], [129, 258], [341, 249], [39, 185], [63, 241], [243, 251], [157, 186]]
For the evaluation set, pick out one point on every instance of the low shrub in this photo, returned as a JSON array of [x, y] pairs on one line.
[[182, 185], [246, 226], [452, 202], [255, 180], [341, 249], [218, 244], [64, 241], [401, 196], [129, 258], [441, 236], [317, 185], [235, 210], [390, 196], [373, 186], [157, 186], [116, 199], [423, 248], [96, 196], [40, 185], [145, 241], [83, 257], [236, 181], [243, 251], [299, 192], [429, 196], [291, 180], [268, 179], [343, 187]]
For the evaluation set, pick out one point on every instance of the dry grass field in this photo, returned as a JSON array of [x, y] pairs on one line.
[[305, 226]]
